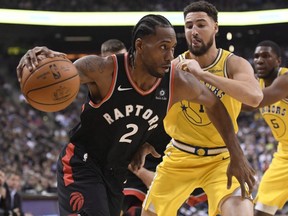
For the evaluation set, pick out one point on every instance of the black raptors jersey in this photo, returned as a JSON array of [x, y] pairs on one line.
[[112, 130]]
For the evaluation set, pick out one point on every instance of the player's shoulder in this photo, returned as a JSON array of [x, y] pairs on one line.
[[94, 68], [234, 60], [180, 57], [91, 63], [283, 71], [93, 60]]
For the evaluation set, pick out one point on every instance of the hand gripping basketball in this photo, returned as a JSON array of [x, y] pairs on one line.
[[52, 85]]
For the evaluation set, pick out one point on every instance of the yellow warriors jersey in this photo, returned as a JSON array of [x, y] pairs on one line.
[[276, 116], [189, 123]]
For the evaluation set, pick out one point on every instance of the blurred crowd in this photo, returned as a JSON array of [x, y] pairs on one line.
[[31, 140], [131, 5]]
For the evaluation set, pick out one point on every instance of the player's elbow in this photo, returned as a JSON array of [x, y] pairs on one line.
[[256, 99]]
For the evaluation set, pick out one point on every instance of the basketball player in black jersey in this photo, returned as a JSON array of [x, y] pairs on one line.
[[129, 96]]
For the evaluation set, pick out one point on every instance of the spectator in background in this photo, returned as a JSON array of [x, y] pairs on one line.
[[112, 46], [2, 193], [273, 191], [11, 201]]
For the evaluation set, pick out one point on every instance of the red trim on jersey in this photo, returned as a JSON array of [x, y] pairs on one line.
[[134, 192], [67, 169], [112, 86], [132, 210], [83, 107], [140, 91], [195, 200]]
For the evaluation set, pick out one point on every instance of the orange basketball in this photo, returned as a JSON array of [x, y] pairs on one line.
[[52, 86]]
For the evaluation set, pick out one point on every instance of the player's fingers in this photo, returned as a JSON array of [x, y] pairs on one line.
[[132, 166], [49, 53], [229, 181], [250, 183], [60, 54], [155, 154], [133, 163], [30, 60], [43, 51], [139, 162], [243, 189], [41, 57], [182, 66]]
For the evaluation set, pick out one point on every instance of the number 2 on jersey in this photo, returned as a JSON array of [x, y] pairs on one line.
[[125, 137]]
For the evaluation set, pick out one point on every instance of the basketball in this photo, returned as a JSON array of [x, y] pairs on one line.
[[52, 86]]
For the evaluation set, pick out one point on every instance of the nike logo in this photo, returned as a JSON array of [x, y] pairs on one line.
[[123, 89]]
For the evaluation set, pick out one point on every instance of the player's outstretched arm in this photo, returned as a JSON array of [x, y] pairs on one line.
[[277, 91], [91, 68], [239, 167], [242, 84]]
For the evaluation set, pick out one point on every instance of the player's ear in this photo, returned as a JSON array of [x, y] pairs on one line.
[[279, 59], [216, 27], [139, 45]]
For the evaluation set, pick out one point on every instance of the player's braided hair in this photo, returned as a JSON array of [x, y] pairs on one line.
[[146, 26]]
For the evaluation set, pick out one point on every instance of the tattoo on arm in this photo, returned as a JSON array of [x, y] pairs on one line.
[[91, 64]]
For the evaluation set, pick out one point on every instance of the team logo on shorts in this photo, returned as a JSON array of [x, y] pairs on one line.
[[76, 201]]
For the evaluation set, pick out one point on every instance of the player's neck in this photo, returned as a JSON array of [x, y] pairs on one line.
[[142, 78], [271, 77], [207, 58]]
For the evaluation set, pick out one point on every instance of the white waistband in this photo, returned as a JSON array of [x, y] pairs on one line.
[[201, 151]]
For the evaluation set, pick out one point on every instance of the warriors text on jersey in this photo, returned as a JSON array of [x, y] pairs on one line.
[[189, 123], [276, 115], [112, 130]]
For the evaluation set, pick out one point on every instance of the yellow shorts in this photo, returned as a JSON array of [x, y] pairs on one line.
[[273, 188], [180, 173]]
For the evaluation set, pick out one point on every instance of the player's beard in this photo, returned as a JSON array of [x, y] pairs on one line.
[[203, 49], [272, 73]]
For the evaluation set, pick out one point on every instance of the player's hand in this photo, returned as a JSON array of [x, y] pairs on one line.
[[243, 172], [138, 159], [33, 56], [191, 66], [136, 172]]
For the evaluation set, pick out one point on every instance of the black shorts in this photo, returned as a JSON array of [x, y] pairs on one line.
[[86, 189]]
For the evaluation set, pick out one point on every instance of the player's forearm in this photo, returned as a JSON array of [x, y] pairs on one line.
[[146, 176], [222, 121], [244, 92]]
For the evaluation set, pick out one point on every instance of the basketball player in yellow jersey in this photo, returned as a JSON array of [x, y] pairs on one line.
[[273, 189], [197, 155]]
